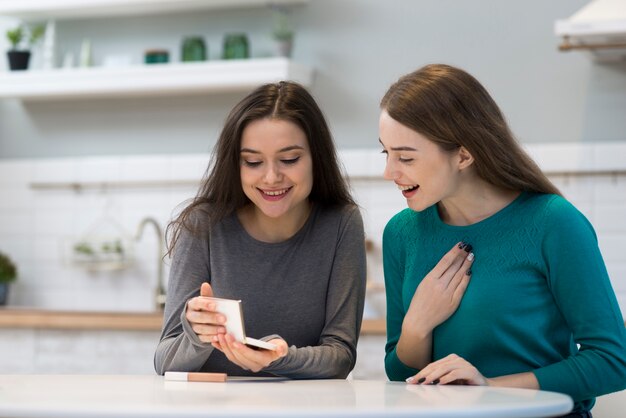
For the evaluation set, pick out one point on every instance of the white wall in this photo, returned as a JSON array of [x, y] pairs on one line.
[[358, 48]]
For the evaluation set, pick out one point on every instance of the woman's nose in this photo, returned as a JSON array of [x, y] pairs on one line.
[[273, 174], [390, 172]]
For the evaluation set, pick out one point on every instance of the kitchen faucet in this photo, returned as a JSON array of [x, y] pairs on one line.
[[160, 290]]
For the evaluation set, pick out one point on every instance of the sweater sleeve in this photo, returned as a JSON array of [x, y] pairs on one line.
[[179, 348], [335, 354], [582, 291], [394, 277]]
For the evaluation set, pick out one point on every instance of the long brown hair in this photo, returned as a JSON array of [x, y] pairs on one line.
[[452, 109], [220, 192]]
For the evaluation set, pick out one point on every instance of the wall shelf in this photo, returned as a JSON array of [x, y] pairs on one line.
[[50, 319], [33, 10], [12, 317], [151, 80]]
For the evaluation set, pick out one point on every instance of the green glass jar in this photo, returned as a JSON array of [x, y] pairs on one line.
[[193, 49], [235, 46]]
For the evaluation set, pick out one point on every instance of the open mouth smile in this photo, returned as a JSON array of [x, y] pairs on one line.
[[274, 195], [408, 190]]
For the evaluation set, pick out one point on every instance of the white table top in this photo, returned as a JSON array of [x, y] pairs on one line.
[[106, 396]]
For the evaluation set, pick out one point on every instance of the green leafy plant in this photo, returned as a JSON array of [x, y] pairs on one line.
[[8, 271], [15, 36], [36, 33], [282, 29], [25, 35], [113, 247], [83, 248]]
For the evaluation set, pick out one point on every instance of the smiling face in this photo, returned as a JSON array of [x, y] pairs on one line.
[[424, 173], [276, 168]]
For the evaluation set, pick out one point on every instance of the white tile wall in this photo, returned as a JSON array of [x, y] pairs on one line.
[[35, 224], [17, 356]]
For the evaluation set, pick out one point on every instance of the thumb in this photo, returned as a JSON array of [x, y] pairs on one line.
[[205, 289], [281, 347]]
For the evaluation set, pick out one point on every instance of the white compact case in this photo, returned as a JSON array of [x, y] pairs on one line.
[[233, 312]]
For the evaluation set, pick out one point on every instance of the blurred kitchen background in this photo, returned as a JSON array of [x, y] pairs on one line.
[[107, 132]]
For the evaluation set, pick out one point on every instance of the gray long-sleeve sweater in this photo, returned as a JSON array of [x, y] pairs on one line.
[[309, 289]]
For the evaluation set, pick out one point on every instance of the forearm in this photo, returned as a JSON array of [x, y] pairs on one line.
[[333, 361], [414, 349], [587, 374], [180, 349], [179, 354], [526, 380]]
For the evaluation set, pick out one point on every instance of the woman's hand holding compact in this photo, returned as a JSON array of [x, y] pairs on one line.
[[201, 314], [208, 324], [248, 358]]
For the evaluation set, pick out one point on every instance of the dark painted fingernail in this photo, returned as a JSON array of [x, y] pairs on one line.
[[421, 380], [469, 272], [435, 382], [462, 244], [468, 248]]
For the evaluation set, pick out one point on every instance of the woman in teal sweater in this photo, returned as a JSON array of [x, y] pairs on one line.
[[492, 277]]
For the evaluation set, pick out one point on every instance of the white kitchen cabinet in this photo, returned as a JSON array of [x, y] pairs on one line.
[[32, 10]]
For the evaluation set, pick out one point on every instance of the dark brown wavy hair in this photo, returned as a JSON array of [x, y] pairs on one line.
[[220, 192], [452, 109]]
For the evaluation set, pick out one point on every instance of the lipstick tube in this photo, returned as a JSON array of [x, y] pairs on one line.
[[195, 377]]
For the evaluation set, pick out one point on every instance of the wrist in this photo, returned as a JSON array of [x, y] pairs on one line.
[[414, 329]]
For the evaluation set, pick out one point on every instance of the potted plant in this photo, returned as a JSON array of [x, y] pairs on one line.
[[20, 36], [8, 274], [282, 32]]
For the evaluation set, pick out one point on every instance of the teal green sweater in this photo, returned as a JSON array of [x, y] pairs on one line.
[[538, 287]]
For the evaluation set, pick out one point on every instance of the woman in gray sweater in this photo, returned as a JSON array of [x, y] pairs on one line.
[[273, 225]]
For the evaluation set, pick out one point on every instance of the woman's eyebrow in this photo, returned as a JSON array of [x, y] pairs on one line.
[[398, 148], [289, 148]]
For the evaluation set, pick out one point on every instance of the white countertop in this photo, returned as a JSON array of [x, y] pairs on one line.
[[68, 396]]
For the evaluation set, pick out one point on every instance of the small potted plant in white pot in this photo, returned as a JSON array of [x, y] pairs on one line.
[[8, 274], [282, 32], [22, 39]]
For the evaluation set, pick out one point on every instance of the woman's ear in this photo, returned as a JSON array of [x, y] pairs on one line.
[[465, 158]]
